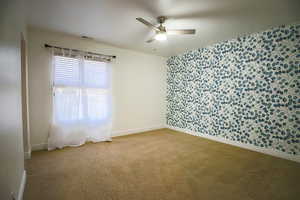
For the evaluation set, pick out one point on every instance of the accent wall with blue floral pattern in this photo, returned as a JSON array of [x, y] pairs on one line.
[[246, 89]]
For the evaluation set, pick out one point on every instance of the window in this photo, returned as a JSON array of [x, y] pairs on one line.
[[81, 101], [80, 90]]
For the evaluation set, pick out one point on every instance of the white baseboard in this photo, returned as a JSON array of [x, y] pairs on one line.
[[43, 146], [27, 155], [22, 186], [136, 130], [272, 152], [37, 147]]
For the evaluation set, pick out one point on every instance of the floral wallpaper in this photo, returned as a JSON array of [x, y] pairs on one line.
[[246, 89]]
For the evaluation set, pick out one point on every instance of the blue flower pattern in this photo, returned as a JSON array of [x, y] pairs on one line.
[[246, 89]]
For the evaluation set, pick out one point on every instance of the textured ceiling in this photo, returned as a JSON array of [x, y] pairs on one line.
[[113, 21]]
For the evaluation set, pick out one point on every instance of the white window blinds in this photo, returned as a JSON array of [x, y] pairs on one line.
[[70, 72], [66, 71], [95, 74]]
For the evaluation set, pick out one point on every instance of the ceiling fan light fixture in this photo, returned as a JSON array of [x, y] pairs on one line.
[[161, 32], [161, 36]]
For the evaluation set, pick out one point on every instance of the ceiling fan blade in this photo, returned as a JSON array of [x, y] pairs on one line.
[[147, 23], [150, 40], [181, 31]]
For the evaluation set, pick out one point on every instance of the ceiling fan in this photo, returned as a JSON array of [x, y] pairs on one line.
[[161, 32]]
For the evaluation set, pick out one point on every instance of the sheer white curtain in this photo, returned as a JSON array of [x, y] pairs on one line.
[[81, 99]]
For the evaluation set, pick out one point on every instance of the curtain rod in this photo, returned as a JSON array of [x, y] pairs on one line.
[[50, 46]]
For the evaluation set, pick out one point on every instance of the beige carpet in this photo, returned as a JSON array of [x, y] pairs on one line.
[[160, 165]]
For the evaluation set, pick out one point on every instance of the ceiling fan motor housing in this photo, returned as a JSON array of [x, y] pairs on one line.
[[162, 29], [161, 19]]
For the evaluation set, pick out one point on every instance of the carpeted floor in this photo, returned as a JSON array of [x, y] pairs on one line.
[[160, 165]]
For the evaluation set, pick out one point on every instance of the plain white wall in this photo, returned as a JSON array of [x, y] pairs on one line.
[[138, 82], [11, 135]]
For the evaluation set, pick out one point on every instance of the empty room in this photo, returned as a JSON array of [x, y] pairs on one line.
[[150, 100]]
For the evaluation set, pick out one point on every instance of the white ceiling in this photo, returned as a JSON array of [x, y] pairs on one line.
[[113, 21]]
